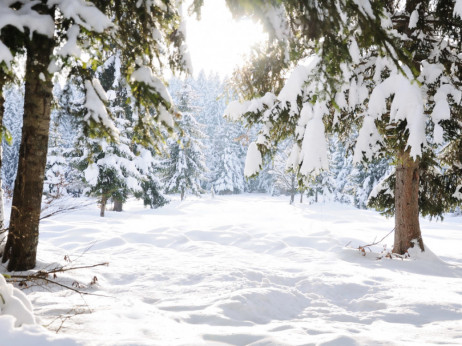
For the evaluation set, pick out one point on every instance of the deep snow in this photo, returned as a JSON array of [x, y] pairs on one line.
[[248, 269]]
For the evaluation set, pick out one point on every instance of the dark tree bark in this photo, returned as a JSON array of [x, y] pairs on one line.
[[292, 188], [118, 204], [407, 227], [102, 206], [22, 242]]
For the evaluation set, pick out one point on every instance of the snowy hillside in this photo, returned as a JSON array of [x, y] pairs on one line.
[[248, 269]]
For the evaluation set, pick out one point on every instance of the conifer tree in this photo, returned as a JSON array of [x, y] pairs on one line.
[[285, 180], [113, 170], [56, 171], [185, 167], [365, 179], [228, 174], [54, 35], [391, 70], [101, 163], [340, 169], [151, 187], [12, 121], [60, 178]]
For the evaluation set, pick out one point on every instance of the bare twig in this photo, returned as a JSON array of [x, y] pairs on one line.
[[56, 212], [381, 240], [64, 269], [26, 278], [67, 316], [62, 322], [44, 276], [81, 255], [362, 248], [62, 210]]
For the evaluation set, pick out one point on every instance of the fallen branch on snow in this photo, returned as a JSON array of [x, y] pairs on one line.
[[362, 248], [44, 275], [384, 253]]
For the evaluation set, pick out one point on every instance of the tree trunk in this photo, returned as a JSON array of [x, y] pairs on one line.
[[292, 188], [118, 204], [102, 206], [407, 227], [21, 246], [182, 194], [301, 197]]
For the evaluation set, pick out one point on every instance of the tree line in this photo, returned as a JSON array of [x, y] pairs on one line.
[[207, 153], [385, 77]]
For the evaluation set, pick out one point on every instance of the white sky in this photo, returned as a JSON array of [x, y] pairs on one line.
[[217, 42]]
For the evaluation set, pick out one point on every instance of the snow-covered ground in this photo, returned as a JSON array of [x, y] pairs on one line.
[[248, 269]]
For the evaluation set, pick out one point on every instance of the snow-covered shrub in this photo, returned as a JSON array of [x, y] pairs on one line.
[[15, 303], [17, 322]]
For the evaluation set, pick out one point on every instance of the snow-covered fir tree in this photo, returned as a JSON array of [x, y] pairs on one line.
[[225, 141], [285, 181], [222, 145], [59, 176], [365, 178], [151, 188], [227, 174], [72, 36], [112, 170], [227, 163], [264, 181], [185, 168], [12, 120], [404, 103], [340, 168], [56, 182]]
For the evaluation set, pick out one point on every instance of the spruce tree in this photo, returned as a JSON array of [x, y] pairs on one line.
[[151, 191], [185, 168], [228, 174], [114, 170], [285, 180], [54, 35], [340, 169], [12, 121], [390, 70], [56, 171]]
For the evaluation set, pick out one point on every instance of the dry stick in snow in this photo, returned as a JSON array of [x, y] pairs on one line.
[[64, 317], [43, 275], [362, 248], [61, 210]]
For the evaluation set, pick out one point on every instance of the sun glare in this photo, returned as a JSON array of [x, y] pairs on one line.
[[217, 42]]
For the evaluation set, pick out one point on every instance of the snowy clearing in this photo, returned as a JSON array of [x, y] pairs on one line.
[[248, 269]]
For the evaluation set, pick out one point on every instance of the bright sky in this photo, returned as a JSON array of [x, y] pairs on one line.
[[217, 42]]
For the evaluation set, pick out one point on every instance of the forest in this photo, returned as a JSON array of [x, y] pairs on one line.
[[282, 204]]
